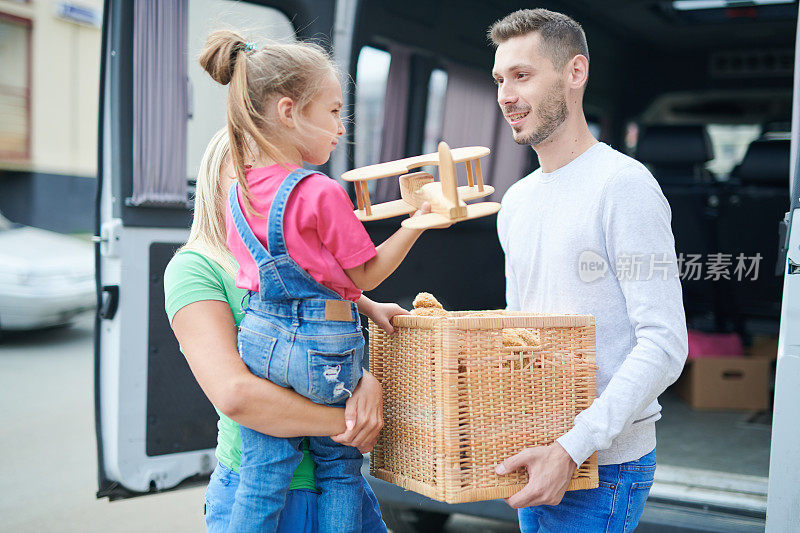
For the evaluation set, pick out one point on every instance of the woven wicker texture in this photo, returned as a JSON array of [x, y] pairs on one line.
[[457, 401]]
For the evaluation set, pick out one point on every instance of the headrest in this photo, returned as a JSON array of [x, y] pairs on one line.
[[672, 146], [765, 163]]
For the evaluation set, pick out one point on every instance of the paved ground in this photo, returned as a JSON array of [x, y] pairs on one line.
[[48, 480], [47, 440]]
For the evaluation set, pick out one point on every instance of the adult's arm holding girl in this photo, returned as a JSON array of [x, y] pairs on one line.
[[207, 334]]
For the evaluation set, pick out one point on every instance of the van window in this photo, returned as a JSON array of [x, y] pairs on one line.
[[372, 73], [730, 142], [434, 110], [207, 98]]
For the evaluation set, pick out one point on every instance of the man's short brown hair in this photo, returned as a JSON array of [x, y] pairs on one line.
[[561, 37]]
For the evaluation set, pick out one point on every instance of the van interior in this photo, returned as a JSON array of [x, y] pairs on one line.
[[701, 93]]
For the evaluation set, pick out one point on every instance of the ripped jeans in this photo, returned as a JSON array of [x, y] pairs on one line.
[[293, 345]]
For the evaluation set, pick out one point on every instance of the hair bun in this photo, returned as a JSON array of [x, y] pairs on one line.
[[220, 53]]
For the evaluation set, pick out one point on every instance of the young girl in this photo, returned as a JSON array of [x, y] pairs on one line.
[[204, 308], [304, 257]]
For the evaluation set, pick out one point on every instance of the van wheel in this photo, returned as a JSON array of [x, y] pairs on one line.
[[407, 520]]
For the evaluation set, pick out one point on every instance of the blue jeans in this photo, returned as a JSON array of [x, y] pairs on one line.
[[294, 345], [615, 506], [299, 515]]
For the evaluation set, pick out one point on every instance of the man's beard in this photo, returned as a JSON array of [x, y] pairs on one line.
[[551, 112]]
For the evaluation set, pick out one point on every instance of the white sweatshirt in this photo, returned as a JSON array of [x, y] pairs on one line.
[[559, 231]]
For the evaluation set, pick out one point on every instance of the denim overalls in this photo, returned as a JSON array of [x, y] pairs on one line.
[[296, 333]]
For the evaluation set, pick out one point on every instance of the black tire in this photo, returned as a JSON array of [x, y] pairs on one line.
[[407, 520]]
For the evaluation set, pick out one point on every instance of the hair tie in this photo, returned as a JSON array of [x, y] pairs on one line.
[[250, 47]]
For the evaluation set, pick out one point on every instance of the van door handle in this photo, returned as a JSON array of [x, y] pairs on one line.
[[783, 247], [109, 302]]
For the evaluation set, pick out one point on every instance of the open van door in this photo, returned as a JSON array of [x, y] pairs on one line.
[[783, 497], [155, 428]]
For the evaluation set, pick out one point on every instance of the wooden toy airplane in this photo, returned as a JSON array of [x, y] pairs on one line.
[[446, 198]]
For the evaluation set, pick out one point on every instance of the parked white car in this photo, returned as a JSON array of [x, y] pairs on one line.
[[46, 278]]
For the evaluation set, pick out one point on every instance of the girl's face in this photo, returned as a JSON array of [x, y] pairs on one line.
[[322, 124]]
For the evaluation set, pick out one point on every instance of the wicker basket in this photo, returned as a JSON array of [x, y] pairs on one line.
[[457, 402]]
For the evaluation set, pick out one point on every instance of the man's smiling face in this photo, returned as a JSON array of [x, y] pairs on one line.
[[530, 90]]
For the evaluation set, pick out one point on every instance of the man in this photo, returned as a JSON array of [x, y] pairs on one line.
[[587, 204]]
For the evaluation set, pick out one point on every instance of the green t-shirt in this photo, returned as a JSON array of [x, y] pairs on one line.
[[191, 277]]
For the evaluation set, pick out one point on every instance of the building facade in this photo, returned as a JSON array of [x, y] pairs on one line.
[[49, 80]]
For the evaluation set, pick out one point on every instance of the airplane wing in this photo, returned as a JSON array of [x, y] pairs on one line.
[[385, 210], [467, 193], [437, 221], [401, 166], [400, 207]]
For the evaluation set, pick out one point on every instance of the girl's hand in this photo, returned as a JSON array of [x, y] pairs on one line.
[[382, 314], [424, 210], [363, 414]]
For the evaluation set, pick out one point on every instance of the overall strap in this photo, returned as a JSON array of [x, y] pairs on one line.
[[275, 240], [256, 249]]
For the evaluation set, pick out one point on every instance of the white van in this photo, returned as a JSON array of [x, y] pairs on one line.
[[704, 92]]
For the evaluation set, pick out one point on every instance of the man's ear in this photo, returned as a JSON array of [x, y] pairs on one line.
[[285, 108], [578, 71]]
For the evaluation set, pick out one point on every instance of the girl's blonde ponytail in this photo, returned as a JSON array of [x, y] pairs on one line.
[[258, 75], [221, 55]]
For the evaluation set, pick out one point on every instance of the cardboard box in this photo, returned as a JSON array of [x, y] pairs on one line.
[[735, 383], [764, 346]]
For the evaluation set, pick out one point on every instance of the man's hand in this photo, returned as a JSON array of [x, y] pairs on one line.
[[363, 415], [550, 469]]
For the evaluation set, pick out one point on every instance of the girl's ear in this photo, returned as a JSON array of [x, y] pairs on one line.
[[285, 107]]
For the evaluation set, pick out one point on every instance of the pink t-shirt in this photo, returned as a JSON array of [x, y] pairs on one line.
[[321, 231]]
